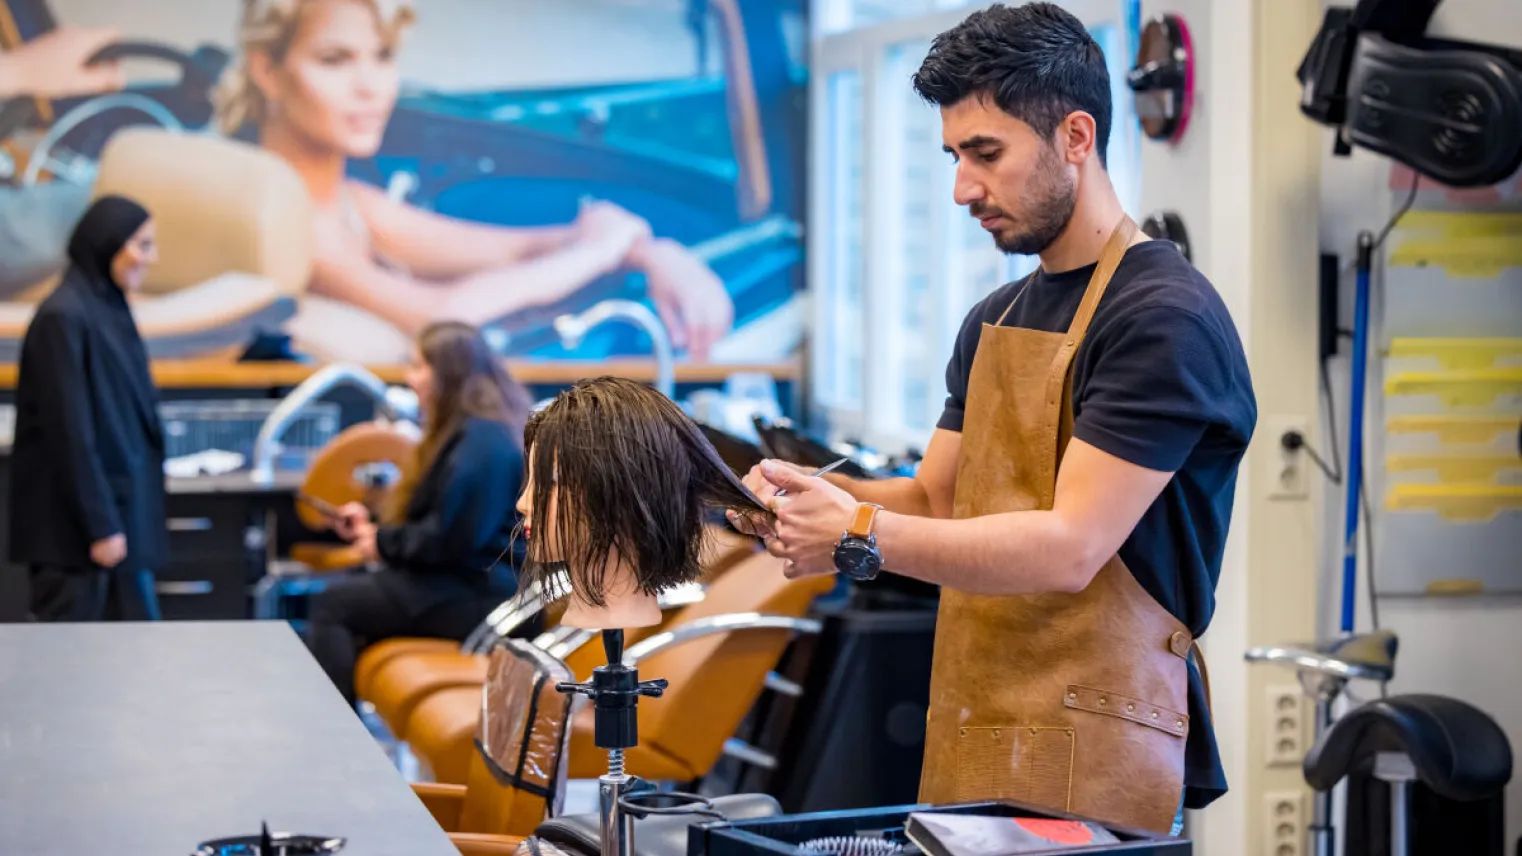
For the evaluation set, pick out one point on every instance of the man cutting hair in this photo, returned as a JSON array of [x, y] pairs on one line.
[[1073, 504]]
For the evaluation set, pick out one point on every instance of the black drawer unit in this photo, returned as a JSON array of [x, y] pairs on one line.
[[216, 552]]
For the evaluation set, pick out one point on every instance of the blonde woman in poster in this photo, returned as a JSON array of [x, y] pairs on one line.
[[318, 81]]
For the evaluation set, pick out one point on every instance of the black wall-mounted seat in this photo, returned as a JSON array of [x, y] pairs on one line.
[[1457, 749], [1440, 759]]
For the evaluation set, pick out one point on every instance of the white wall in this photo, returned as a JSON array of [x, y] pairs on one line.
[[1245, 181], [1466, 648], [1202, 178], [459, 43]]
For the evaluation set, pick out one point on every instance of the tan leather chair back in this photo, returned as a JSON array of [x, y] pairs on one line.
[[714, 681], [220, 206], [518, 775], [331, 476]]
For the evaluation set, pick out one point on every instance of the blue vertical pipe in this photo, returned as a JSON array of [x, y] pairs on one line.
[[1355, 429]]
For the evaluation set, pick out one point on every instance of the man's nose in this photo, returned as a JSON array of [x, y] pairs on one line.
[[965, 190]]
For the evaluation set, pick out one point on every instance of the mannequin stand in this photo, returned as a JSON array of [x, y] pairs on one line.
[[615, 690]]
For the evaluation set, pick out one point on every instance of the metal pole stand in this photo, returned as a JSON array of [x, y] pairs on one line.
[[615, 690]]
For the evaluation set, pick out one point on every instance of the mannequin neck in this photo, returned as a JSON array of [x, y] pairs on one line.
[[624, 605]]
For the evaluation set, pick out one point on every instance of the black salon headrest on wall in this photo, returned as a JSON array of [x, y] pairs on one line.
[[1451, 110]]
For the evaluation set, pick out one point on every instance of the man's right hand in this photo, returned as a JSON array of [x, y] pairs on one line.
[[764, 490], [109, 552], [53, 65]]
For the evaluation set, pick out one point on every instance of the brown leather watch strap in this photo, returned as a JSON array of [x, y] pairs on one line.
[[866, 515]]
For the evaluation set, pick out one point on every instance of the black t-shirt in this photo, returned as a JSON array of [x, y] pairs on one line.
[[1161, 381]]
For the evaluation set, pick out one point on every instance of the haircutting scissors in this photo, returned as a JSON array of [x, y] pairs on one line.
[[817, 473]]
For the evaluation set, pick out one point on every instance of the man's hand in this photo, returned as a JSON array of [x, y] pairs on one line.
[[755, 481], [811, 519], [109, 552], [53, 65]]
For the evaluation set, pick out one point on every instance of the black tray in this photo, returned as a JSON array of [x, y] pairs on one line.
[[780, 836]]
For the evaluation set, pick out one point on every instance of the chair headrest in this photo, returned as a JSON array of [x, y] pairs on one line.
[[219, 205], [1458, 750]]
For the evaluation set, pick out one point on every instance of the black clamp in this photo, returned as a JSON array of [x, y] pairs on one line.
[[615, 690]]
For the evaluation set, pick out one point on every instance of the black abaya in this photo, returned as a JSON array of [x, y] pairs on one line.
[[88, 456]]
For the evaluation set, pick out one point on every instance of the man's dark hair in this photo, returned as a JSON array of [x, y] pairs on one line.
[[1036, 62]]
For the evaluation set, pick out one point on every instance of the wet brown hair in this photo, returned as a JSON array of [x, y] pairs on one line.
[[623, 471], [468, 380]]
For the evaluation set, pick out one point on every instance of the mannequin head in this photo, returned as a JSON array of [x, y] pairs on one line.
[[619, 480]]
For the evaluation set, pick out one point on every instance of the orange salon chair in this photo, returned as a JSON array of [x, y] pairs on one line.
[[408, 680], [362, 464], [393, 677], [717, 655], [725, 546], [235, 243], [517, 775]]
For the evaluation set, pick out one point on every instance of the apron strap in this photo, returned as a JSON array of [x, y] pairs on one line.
[[1109, 260], [1199, 661], [1018, 295]]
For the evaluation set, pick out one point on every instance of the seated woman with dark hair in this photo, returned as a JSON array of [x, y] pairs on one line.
[[446, 546]]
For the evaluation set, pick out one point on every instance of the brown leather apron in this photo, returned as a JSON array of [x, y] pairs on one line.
[[1075, 702]]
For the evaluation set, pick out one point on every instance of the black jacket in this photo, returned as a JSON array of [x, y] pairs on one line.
[[88, 457], [463, 511]]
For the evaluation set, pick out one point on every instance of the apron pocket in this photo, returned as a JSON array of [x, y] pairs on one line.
[[1027, 764], [1123, 706]]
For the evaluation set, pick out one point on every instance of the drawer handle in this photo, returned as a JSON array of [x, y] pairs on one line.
[[185, 587], [188, 524]]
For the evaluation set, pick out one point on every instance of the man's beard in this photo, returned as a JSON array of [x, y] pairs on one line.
[[1048, 199]]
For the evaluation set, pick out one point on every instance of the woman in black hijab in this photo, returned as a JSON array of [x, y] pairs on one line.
[[87, 464]]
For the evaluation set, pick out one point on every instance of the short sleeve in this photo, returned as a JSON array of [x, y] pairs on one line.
[[959, 371], [1156, 382]]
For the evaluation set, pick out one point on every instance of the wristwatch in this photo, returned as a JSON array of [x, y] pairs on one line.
[[857, 556]]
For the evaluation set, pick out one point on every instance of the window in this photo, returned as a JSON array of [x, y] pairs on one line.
[[899, 263], [838, 16], [838, 362]]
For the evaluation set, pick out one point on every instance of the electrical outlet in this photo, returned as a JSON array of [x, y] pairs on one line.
[[1286, 726], [1290, 470], [1284, 831]]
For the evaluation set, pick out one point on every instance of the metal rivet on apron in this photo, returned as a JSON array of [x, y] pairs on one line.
[[996, 732], [1072, 695], [1101, 699], [1130, 708], [1154, 714], [1179, 724], [964, 732], [1035, 730]]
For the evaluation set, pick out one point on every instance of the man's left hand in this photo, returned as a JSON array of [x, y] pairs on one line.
[[811, 518]]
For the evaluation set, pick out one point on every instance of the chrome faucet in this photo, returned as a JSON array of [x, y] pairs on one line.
[[573, 328], [267, 444]]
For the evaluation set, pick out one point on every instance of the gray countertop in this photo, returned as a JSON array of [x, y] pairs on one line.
[[148, 739], [237, 482]]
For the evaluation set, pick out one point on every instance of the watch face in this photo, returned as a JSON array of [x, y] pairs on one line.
[[858, 559]]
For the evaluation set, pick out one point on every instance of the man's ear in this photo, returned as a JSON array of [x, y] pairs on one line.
[[1076, 137]]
